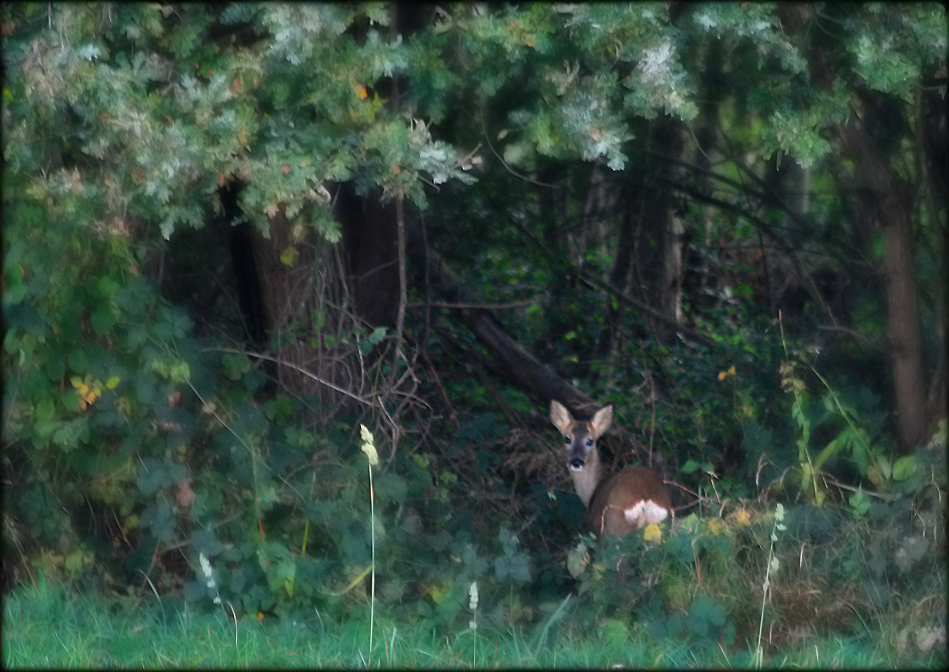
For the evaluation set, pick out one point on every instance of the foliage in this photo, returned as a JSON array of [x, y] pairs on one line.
[[165, 115], [146, 452], [857, 440], [696, 583]]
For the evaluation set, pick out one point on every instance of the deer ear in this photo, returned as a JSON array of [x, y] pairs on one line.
[[602, 420], [560, 416]]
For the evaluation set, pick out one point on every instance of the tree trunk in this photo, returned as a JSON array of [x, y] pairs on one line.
[[661, 233], [286, 292], [889, 206], [370, 237], [868, 142], [904, 329]]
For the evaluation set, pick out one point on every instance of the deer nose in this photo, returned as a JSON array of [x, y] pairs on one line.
[[576, 464]]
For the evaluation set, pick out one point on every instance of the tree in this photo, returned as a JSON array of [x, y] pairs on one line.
[[368, 187]]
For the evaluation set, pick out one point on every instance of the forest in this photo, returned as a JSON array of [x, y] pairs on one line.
[[289, 288]]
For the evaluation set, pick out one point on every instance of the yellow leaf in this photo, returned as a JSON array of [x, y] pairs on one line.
[[289, 256], [742, 518], [440, 592], [652, 532], [722, 375], [112, 382], [715, 527]]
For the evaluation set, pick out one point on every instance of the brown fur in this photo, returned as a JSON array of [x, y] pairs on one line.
[[609, 498]]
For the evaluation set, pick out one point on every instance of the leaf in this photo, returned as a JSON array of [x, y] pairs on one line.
[[289, 256], [860, 457], [912, 551], [179, 372], [859, 502], [831, 449], [377, 335], [391, 488], [883, 464], [652, 532], [44, 411], [235, 365], [689, 467], [905, 467], [72, 401], [78, 360], [70, 434], [102, 319], [578, 559], [615, 633]]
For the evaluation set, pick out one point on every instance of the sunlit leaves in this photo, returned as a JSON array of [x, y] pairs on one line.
[[755, 22], [296, 28], [892, 45], [659, 82], [87, 388]]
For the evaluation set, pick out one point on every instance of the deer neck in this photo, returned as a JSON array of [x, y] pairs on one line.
[[586, 480]]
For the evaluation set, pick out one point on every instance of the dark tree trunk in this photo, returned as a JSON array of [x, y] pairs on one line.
[[286, 294], [371, 243], [660, 231], [888, 204], [313, 295], [868, 142]]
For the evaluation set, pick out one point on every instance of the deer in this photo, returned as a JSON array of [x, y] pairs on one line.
[[618, 503]]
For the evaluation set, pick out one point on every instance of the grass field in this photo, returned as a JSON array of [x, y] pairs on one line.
[[46, 627]]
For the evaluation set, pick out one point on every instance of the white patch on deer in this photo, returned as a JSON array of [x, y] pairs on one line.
[[645, 513]]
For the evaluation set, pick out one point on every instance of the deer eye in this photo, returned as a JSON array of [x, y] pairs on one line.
[[590, 442], [567, 440]]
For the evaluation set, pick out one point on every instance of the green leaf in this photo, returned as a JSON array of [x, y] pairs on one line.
[[377, 335], [102, 319], [14, 290], [615, 633], [860, 457], [69, 435], [71, 401], [905, 467], [78, 360], [691, 466], [45, 411], [235, 365], [831, 448], [859, 502]]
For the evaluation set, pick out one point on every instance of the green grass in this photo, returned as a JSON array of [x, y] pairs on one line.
[[48, 627]]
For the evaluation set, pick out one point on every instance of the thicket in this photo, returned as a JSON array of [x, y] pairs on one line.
[[147, 438]]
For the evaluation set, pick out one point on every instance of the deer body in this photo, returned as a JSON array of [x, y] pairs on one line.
[[616, 504]]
